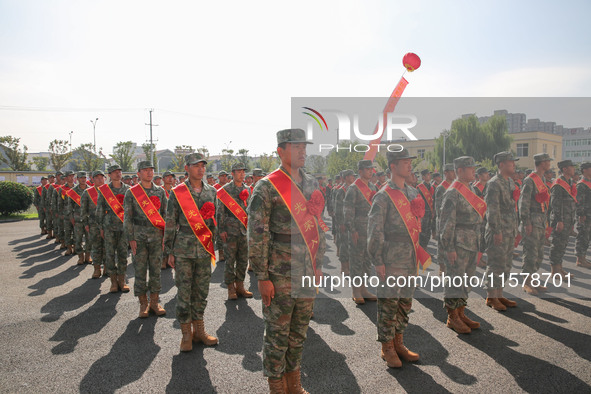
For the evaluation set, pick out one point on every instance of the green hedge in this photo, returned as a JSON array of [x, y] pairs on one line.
[[14, 198]]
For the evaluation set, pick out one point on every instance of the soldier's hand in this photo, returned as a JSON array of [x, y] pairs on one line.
[[498, 239], [87, 228], [133, 245], [73, 222], [528, 229], [381, 272], [224, 236], [355, 237], [582, 219], [102, 234], [452, 257], [559, 226], [171, 260], [267, 291]]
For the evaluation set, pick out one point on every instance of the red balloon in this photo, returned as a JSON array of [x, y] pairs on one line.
[[411, 61]]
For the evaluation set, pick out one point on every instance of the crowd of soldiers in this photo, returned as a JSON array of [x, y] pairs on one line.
[[274, 223]]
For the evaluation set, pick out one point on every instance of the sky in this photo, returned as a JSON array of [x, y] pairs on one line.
[[223, 74]]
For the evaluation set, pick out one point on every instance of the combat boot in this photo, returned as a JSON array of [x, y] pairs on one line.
[[63, 246], [114, 284], [199, 334], [402, 351], [97, 271], [528, 288], [221, 255], [467, 321], [368, 295], [582, 262], [70, 251], [49, 234], [232, 292], [454, 322], [241, 291], [508, 303], [87, 258], [493, 302], [155, 306], [389, 355], [144, 306], [186, 343], [276, 386], [441, 269], [293, 382], [57, 241], [43, 231], [80, 259], [557, 270], [122, 285], [358, 296]]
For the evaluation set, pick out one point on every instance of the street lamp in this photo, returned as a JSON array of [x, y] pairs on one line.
[[94, 133], [445, 135]]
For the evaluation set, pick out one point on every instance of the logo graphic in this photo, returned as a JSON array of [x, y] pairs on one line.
[[315, 118]]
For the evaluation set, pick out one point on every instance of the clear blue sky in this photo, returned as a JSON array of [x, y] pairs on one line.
[[223, 73]]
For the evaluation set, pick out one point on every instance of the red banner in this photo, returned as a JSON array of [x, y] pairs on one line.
[[427, 194], [116, 207], [147, 206], [364, 189], [74, 196], [217, 186], [93, 193], [560, 182], [479, 186], [234, 206], [476, 202]]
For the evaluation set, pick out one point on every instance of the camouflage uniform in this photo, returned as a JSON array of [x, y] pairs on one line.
[[62, 207], [437, 201], [343, 236], [58, 222], [427, 221], [74, 211], [483, 224], [583, 210], [563, 210], [138, 228], [89, 218], [112, 226], [168, 193], [278, 253], [40, 205], [47, 193]]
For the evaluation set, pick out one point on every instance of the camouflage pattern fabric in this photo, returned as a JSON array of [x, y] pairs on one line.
[[563, 210]]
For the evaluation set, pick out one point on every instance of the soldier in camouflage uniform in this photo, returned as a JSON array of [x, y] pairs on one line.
[[330, 205], [501, 230], [145, 239], [168, 179], [355, 210], [436, 181], [111, 229], [483, 176], [233, 234], [532, 215], [58, 224], [393, 254], [39, 205], [584, 216], [62, 207], [348, 176], [96, 244], [188, 256], [47, 206], [381, 180], [280, 259], [562, 217], [450, 176], [74, 215], [427, 221], [459, 232]]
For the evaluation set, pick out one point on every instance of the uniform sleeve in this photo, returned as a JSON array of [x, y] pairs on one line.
[[375, 229], [349, 207], [128, 216], [581, 199], [163, 204], [556, 202], [447, 221], [259, 237], [525, 202], [339, 201], [100, 211], [220, 213], [172, 219], [493, 209]]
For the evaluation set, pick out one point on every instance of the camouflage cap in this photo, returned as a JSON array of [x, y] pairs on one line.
[[549, 172], [464, 161], [436, 174], [293, 136], [337, 177], [68, 173], [565, 163], [209, 176], [43, 177], [348, 173], [585, 165], [157, 177], [540, 157], [257, 172], [194, 158], [133, 176], [97, 173], [381, 173], [81, 174], [504, 156], [144, 164], [363, 164], [50, 176], [168, 173], [112, 168], [59, 173], [239, 166], [222, 172], [403, 154], [425, 172], [481, 170], [125, 177], [448, 167]]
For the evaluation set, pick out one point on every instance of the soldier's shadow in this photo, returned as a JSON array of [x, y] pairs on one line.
[[167, 280], [189, 373], [572, 306], [20, 241], [330, 311], [34, 248], [38, 268], [89, 322], [124, 364], [78, 297], [61, 278], [39, 255]]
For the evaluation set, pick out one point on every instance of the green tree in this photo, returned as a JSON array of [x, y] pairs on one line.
[[268, 162], [14, 157], [342, 160], [14, 198], [178, 162], [150, 152], [41, 163], [123, 155], [381, 161], [243, 156], [85, 159], [59, 154], [316, 164], [228, 159]]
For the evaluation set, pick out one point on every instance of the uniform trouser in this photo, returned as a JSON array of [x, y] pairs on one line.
[[192, 277], [42, 221], [97, 245], [115, 252], [49, 219], [559, 243], [286, 324], [360, 262], [343, 240], [147, 259], [68, 231], [500, 260], [425, 234], [441, 257], [58, 223], [456, 293], [533, 250], [395, 299], [583, 232], [79, 233], [236, 254]]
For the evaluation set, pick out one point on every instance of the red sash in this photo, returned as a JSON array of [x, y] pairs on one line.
[[193, 216], [89, 183], [217, 186], [445, 184], [40, 190], [93, 194], [74, 196], [560, 182], [235, 207], [479, 185], [167, 193], [586, 183], [476, 202], [64, 191], [112, 201], [364, 189], [540, 186], [147, 206], [296, 203], [427, 194], [412, 225], [47, 186]]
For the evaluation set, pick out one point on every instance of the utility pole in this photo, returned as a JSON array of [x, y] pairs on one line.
[[94, 133], [152, 158], [71, 132]]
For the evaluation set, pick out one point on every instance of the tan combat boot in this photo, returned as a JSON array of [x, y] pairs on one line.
[[80, 259], [358, 296], [402, 351], [105, 272], [144, 306], [49, 234], [368, 295], [389, 355], [232, 292], [199, 334], [122, 285], [557, 270], [155, 306], [508, 303], [97, 271], [493, 302], [441, 269], [186, 343], [467, 321], [293, 382], [582, 262], [241, 291], [276, 386], [57, 241], [528, 288], [454, 322], [114, 284], [87, 258]]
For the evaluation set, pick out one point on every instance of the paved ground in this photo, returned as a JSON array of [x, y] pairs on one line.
[[63, 332]]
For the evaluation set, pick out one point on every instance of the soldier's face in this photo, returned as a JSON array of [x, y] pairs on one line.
[[350, 179], [382, 178], [44, 182], [158, 181], [466, 174], [402, 168], [450, 175], [238, 175], [569, 171], [115, 175], [146, 174], [427, 177], [294, 155], [366, 173], [70, 178], [196, 171], [223, 178], [51, 179], [211, 181], [545, 165], [507, 167], [168, 180], [82, 180], [98, 180], [587, 173], [484, 177]]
